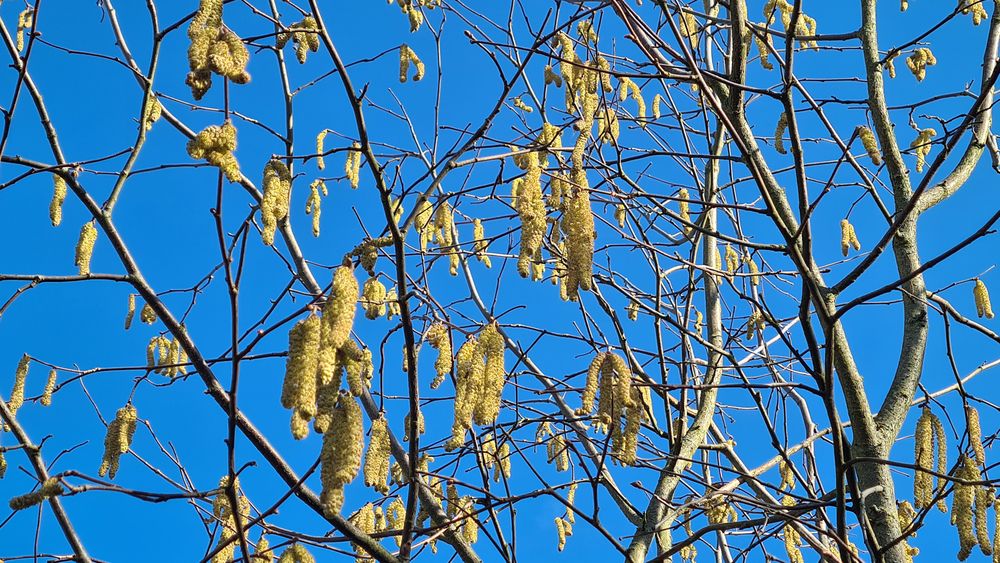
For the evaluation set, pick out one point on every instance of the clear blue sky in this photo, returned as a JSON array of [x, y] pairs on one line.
[[165, 218]]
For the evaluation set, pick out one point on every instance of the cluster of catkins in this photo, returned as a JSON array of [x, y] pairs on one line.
[[564, 524], [216, 144], [982, 297], [922, 146], [412, 9], [274, 203], [408, 56], [214, 49], [223, 511], [118, 439], [480, 376], [166, 356], [619, 399], [805, 25], [437, 226], [304, 35], [848, 237]]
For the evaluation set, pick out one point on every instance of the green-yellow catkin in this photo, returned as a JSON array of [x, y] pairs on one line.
[[996, 529], [923, 458], [941, 453], [352, 166], [216, 144], [151, 112], [421, 427], [689, 28], [214, 49], [480, 244], [590, 387], [552, 78], [975, 434], [373, 295], [85, 248], [395, 515], [632, 310], [578, 227], [919, 61], [408, 56], [763, 46], [423, 221], [444, 232], [58, 197], [922, 146], [304, 35], [314, 203], [147, 315], [343, 443], [805, 25], [754, 271], [791, 536], [962, 510], [787, 476], [262, 551], [50, 385], [469, 368], [629, 89], [779, 133], [357, 364], [982, 298], [226, 514], [296, 554], [560, 534], [503, 463], [367, 252], [870, 144], [531, 211], [558, 451], [130, 313], [364, 521], [848, 237], [320, 141], [3, 464], [438, 337], [621, 214], [543, 432], [25, 19], [50, 488], [519, 104], [684, 208], [657, 100], [298, 391], [377, 459], [277, 191], [17, 393], [494, 377], [984, 499], [326, 401], [732, 261], [118, 439], [339, 309], [974, 7]]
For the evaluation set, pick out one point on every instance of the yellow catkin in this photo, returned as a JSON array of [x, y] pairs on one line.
[[848, 237], [629, 89], [352, 166], [975, 434], [657, 100], [578, 227], [996, 528], [364, 521], [779, 133], [320, 141], [151, 112], [560, 534], [408, 56], [130, 313], [444, 232], [469, 369], [494, 377], [314, 203], [962, 510], [982, 298], [531, 211], [216, 144], [58, 197], [503, 463], [25, 19], [552, 78], [974, 7], [423, 221], [480, 243], [17, 393], [296, 554], [226, 514], [421, 427], [338, 312], [438, 337], [763, 46], [632, 310], [754, 272], [919, 61], [118, 439], [984, 499], [326, 401], [85, 248], [298, 391], [343, 443], [684, 208], [590, 387], [262, 551], [50, 488], [923, 458], [395, 515], [922, 146], [870, 144], [376, 468], [357, 364], [941, 452], [805, 26], [50, 385], [274, 204], [214, 49], [558, 452], [147, 315], [791, 537], [304, 35], [373, 295]]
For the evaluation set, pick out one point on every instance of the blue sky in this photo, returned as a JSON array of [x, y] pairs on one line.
[[165, 218]]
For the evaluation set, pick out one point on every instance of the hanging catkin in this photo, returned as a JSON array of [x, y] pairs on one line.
[[17, 393], [343, 443], [779, 133], [296, 554], [487, 407], [437, 336], [118, 439], [962, 510], [214, 48], [922, 146], [377, 458], [85, 248], [277, 191], [469, 368], [870, 144], [848, 237], [216, 144], [578, 227], [982, 298], [338, 312], [58, 197], [918, 63], [50, 385], [304, 34], [531, 211], [373, 295], [408, 56], [298, 392]]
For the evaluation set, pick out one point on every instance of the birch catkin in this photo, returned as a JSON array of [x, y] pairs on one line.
[[848, 237], [779, 133], [438, 337], [376, 467], [216, 144], [17, 393], [50, 385], [343, 443], [298, 392], [277, 191], [922, 146], [118, 439], [58, 197], [85, 248], [982, 298]]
